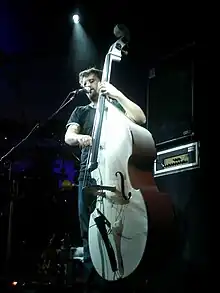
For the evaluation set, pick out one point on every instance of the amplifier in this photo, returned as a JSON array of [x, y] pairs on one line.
[[177, 159]]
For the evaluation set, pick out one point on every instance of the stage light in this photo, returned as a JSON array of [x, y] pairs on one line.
[[14, 283], [75, 18]]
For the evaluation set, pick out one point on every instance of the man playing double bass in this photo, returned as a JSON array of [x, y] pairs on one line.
[[79, 130]]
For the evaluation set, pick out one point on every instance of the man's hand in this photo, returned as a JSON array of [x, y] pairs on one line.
[[108, 89], [84, 140]]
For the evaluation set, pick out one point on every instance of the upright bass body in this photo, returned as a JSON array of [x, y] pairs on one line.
[[118, 229], [131, 218]]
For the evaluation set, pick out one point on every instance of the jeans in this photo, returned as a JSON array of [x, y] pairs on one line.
[[84, 202]]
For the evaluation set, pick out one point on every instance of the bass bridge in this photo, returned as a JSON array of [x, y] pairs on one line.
[[95, 188]]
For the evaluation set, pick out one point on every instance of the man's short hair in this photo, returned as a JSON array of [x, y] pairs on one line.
[[87, 72]]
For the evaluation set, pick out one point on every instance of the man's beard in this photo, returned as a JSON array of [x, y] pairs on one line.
[[93, 96]]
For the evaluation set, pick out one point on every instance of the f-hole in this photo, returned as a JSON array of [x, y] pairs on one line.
[[126, 197]]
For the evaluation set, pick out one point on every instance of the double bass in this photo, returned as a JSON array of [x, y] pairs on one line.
[[127, 200]]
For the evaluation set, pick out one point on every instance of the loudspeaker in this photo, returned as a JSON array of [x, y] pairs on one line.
[[176, 106], [170, 96], [186, 190]]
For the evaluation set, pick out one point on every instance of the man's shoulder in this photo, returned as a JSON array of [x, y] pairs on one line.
[[82, 109], [81, 113]]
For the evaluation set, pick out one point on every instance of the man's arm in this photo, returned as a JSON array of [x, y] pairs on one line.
[[72, 134], [132, 110], [74, 138]]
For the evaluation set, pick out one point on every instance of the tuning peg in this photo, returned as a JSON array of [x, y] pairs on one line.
[[125, 52]]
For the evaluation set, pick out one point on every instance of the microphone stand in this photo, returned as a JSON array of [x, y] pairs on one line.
[[13, 193], [39, 125]]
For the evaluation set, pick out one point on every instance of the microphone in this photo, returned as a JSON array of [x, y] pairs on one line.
[[74, 93], [85, 90]]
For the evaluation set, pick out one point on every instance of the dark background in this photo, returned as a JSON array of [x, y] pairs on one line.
[[36, 74]]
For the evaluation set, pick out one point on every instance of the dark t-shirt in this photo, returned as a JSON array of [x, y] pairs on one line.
[[84, 116]]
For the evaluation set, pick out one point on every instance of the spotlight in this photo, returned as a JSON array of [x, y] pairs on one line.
[[14, 283], [75, 18]]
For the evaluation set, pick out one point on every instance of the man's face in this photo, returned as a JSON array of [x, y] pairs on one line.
[[91, 83]]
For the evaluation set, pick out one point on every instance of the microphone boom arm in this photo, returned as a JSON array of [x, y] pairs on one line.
[[39, 125]]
